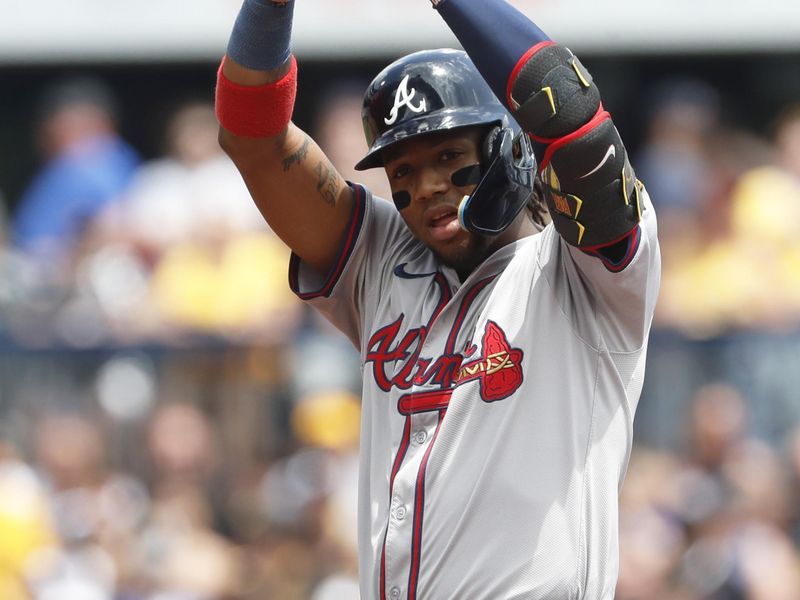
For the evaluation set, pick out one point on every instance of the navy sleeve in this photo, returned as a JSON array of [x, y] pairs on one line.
[[494, 34]]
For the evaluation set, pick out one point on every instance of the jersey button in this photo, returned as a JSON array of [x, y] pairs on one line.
[[400, 513], [421, 436], [394, 593]]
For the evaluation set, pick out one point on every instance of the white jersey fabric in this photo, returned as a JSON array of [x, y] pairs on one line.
[[497, 413]]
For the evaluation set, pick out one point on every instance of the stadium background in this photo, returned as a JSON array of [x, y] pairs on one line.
[[174, 426]]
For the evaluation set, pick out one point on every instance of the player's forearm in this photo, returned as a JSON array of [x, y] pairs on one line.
[[252, 77], [256, 83], [494, 34], [543, 85], [261, 37]]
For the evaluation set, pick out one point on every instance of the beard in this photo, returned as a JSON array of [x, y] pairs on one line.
[[465, 258]]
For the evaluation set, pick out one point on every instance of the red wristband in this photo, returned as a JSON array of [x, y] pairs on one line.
[[256, 111]]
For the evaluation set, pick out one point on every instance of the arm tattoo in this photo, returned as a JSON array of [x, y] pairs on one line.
[[297, 156], [326, 184]]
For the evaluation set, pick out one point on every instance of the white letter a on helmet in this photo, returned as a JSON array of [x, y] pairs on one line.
[[403, 98]]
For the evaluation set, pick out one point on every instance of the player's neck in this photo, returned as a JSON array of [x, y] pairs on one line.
[[521, 227]]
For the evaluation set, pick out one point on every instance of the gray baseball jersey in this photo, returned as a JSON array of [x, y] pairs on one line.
[[497, 413]]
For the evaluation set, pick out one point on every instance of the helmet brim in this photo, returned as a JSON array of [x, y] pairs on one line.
[[443, 120]]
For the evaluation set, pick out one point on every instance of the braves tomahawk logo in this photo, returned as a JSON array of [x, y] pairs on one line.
[[403, 97], [498, 369]]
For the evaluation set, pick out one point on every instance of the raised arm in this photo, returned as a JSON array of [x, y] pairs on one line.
[[589, 185], [298, 191]]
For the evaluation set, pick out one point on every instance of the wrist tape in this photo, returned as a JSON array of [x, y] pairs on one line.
[[261, 34], [256, 111]]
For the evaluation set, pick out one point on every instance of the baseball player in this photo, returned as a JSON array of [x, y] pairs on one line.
[[502, 357]]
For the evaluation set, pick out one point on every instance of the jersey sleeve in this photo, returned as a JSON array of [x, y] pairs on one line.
[[348, 294], [617, 306]]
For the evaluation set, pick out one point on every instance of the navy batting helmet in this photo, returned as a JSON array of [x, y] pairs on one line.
[[437, 90]]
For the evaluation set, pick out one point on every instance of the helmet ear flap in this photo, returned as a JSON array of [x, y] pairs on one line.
[[506, 180]]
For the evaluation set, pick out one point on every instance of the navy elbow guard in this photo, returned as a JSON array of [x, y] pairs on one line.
[[590, 187]]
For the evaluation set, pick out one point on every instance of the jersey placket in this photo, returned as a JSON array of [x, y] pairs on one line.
[[403, 533], [425, 410], [415, 440]]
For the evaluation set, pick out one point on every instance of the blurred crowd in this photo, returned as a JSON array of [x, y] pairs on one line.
[[191, 518], [719, 520], [175, 425], [729, 204]]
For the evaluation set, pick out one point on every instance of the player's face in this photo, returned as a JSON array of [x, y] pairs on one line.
[[422, 167]]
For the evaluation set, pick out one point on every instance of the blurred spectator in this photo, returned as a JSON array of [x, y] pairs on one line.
[[195, 250], [96, 511], [724, 268], [237, 290], [672, 161], [192, 193], [787, 139], [652, 541], [339, 132], [713, 524], [310, 496], [792, 461], [87, 166], [717, 422], [26, 526], [765, 216], [182, 446], [180, 556]]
